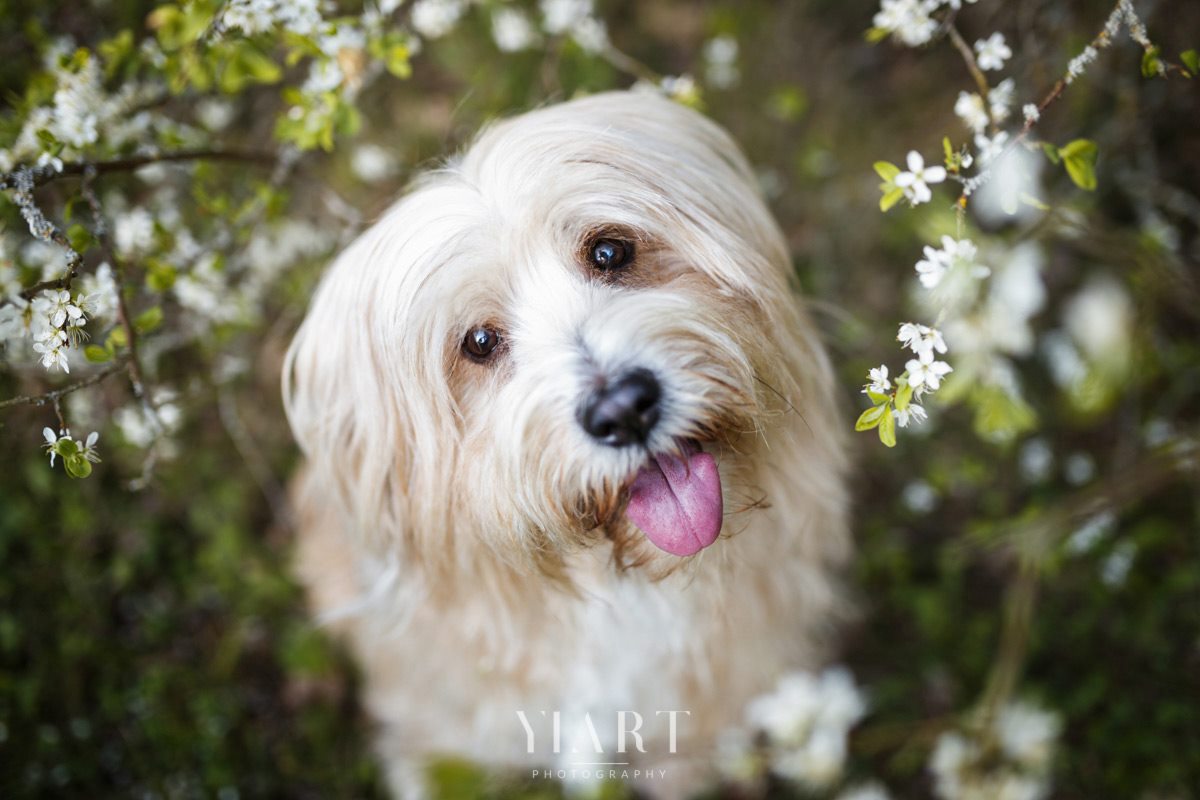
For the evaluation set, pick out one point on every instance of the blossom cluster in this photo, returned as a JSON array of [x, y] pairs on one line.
[[798, 731], [987, 325], [1011, 759], [61, 294], [77, 456]]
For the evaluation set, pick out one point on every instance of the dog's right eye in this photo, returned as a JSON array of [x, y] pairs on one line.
[[480, 343], [610, 254]]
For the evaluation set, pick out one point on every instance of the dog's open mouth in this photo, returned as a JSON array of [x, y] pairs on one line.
[[676, 500]]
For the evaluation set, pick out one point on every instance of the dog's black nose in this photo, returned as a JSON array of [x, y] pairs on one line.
[[623, 411]]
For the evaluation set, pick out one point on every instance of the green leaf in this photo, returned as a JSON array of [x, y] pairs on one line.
[[96, 354], [903, 396], [871, 417], [788, 103], [1051, 153], [1079, 157], [1152, 65], [148, 320], [877, 398], [397, 62], [77, 466], [160, 276], [116, 338], [66, 447], [887, 430], [79, 237], [887, 170], [948, 150], [890, 199], [1191, 60], [1032, 201], [260, 67], [876, 35]]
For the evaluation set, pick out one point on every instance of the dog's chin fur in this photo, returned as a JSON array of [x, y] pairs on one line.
[[461, 529]]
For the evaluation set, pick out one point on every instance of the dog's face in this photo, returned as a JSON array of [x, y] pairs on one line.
[[579, 332]]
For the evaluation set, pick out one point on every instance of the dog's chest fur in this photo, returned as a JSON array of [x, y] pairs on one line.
[[449, 671]]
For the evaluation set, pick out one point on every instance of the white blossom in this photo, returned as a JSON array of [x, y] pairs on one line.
[[1079, 468], [78, 102], [913, 412], [869, 791], [51, 345], [921, 339], [1000, 99], [926, 374], [879, 383], [48, 160], [133, 231], [1013, 175], [1035, 460], [992, 52], [87, 448], [258, 16], [1027, 734], [372, 163], [435, 18], [512, 31], [214, 114], [919, 497], [915, 182], [1031, 113], [990, 147], [720, 62], [954, 254], [560, 16], [970, 109], [908, 20], [1100, 318], [806, 720], [1115, 568], [1018, 771], [58, 307], [681, 87], [591, 34]]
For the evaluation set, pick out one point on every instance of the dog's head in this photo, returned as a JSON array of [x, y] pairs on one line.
[[580, 331]]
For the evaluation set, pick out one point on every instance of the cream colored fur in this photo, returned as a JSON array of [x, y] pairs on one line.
[[458, 526]]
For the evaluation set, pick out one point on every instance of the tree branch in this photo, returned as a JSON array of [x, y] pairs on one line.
[[45, 174], [101, 229], [981, 81], [55, 395]]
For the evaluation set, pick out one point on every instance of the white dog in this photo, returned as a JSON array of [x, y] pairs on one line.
[[574, 488]]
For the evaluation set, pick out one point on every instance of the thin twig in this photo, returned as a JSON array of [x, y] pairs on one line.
[[42, 229], [981, 81], [1102, 40], [46, 174], [136, 378], [55, 395]]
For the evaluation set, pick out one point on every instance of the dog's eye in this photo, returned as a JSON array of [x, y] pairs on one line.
[[607, 255], [480, 343]]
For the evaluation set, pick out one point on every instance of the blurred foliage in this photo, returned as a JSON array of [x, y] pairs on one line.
[[152, 643]]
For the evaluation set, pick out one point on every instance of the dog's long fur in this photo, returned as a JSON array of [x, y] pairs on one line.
[[456, 523]]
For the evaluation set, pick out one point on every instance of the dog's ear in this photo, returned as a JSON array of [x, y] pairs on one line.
[[364, 384]]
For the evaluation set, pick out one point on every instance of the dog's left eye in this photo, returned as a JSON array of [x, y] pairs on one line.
[[607, 255], [480, 343]]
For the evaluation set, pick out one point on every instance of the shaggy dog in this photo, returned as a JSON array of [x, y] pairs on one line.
[[574, 480]]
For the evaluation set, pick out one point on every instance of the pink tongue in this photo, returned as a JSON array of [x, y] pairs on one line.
[[677, 502]]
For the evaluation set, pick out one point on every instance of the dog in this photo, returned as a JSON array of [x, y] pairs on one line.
[[574, 478]]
